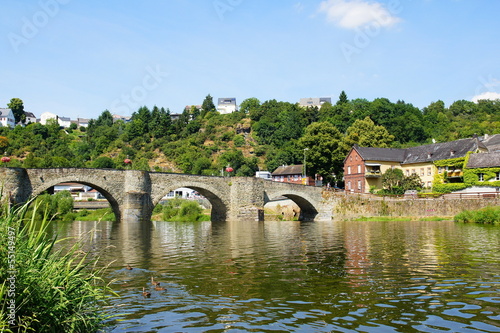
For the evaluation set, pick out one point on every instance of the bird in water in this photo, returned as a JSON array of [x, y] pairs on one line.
[[145, 293], [157, 286], [129, 267], [154, 283]]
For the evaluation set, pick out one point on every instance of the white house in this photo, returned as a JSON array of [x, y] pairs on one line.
[[314, 101], [7, 118], [64, 121], [227, 105], [30, 117], [44, 117]]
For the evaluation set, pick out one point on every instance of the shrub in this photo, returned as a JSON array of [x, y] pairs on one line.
[[487, 215]]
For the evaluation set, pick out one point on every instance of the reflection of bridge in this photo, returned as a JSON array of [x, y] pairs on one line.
[[133, 194]]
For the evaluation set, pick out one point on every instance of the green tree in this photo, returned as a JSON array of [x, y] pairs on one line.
[[103, 162], [322, 145], [342, 98], [207, 105], [17, 107], [249, 105], [392, 179], [366, 134]]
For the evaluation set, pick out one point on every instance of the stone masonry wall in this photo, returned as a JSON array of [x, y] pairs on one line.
[[354, 206]]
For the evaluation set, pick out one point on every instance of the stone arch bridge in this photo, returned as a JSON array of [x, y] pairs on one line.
[[133, 194]]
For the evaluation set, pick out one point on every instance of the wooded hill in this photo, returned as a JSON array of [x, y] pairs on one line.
[[258, 136]]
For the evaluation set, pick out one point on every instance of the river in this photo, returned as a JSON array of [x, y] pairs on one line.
[[299, 276]]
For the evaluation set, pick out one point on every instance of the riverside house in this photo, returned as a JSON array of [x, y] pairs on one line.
[[364, 166]]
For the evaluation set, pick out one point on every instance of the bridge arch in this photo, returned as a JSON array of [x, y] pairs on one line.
[[41, 182], [218, 196], [307, 198]]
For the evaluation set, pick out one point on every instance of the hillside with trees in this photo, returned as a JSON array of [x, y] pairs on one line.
[[261, 135]]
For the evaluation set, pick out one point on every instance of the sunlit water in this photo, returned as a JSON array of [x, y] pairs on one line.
[[300, 277]]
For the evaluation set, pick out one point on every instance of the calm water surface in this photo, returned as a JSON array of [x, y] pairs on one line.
[[300, 277]]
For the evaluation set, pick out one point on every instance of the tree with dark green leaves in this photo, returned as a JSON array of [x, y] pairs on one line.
[[322, 146], [342, 98], [249, 105], [392, 179], [207, 106], [17, 107]]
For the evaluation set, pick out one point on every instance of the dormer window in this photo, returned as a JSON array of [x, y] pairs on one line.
[[452, 152], [429, 155]]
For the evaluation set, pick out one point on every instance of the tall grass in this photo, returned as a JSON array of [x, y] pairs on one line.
[[54, 288], [487, 215]]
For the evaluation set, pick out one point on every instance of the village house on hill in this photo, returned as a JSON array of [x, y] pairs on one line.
[[291, 174], [364, 166]]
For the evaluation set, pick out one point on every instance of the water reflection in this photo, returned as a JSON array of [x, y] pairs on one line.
[[292, 276]]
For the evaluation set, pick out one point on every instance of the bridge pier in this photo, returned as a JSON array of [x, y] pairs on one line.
[[15, 186], [137, 204], [247, 199]]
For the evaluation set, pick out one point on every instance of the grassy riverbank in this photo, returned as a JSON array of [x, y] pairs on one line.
[[180, 210], [487, 215], [45, 287], [405, 218]]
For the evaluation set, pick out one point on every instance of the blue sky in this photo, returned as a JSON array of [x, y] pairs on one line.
[[78, 58]]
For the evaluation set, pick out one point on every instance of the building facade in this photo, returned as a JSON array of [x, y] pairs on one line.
[[364, 166], [7, 118], [314, 101], [227, 105]]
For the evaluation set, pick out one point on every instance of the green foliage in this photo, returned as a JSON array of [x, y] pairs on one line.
[[448, 188], [487, 215], [181, 210], [366, 134], [57, 288], [103, 162], [17, 107], [322, 145], [395, 182], [55, 206]]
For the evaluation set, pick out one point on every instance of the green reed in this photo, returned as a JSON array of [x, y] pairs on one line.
[[46, 287]]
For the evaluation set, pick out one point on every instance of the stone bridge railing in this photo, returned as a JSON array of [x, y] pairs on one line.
[[133, 194]]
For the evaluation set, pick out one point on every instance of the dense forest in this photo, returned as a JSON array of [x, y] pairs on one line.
[[261, 135]]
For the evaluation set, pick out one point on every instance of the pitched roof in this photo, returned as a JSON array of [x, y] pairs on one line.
[[4, 112], [288, 170], [441, 151], [484, 160], [421, 154], [381, 154], [492, 142]]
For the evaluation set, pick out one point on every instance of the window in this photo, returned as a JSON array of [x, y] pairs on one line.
[[481, 177], [349, 185], [429, 184], [413, 171], [349, 170], [440, 169], [429, 171], [359, 185], [407, 172], [359, 168], [422, 173]]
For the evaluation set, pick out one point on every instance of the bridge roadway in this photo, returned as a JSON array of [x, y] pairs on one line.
[[132, 194]]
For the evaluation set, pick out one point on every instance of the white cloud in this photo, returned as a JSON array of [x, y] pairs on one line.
[[352, 14], [487, 95]]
